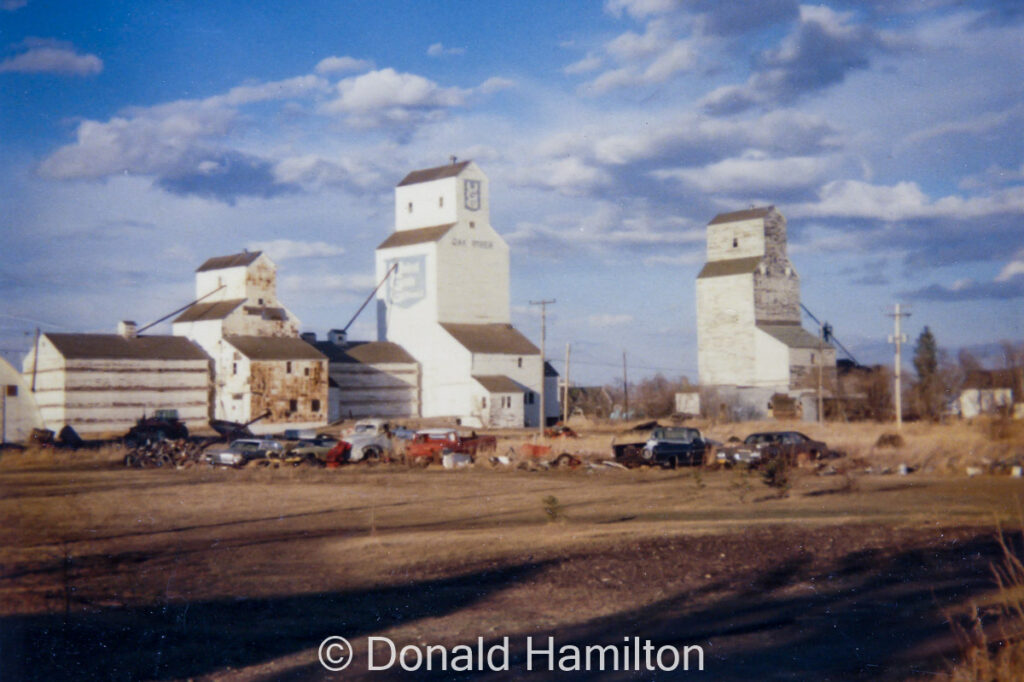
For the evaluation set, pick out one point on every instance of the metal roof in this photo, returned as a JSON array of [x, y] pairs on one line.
[[274, 348], [232, 261], [217, 310], [746, 214], [418, 236], [793, 335], [734, 266], [427, 174], [117, 347], [491, 338], [364, 352], [498, 383]]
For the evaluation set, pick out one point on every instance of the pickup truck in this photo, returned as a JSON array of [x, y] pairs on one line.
[[428, 445], [243, 451], [667, 446]]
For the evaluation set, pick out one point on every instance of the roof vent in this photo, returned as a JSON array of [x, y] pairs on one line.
[[127, 329], [337, 336], [308, 337]]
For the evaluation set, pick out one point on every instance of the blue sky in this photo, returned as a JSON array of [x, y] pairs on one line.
[[138, 139]]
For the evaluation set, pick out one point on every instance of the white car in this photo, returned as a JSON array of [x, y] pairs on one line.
[[243, 451]]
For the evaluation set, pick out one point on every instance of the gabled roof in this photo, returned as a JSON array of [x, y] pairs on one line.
[[496, 338], [747, 214], [793, 335], [217, 310], [232, 261], [117, 347], [734, 266], [427, 174], [498, 383], [274, 348], [420, 235], [364, 352], [990, 378]]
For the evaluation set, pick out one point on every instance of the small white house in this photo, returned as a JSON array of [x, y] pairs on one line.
[[100, 384]]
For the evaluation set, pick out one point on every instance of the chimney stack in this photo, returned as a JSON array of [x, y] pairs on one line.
[[126, 328]]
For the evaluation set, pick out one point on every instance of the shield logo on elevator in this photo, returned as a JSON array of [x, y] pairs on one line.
[[408, 285], [472, 192]]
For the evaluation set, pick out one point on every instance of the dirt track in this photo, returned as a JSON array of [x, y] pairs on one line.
[[117, 574]]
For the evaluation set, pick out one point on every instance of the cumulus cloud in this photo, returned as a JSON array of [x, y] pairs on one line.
[[753, 171], [1013, 269], [654, 56], [342, 65], [51, 56], [387, 96], [439, 50], [969, 290], [496, 84], [289, 249], [823, 49], [903, 201]]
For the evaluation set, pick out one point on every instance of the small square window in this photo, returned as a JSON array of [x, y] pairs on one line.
[[288, 367], [440, 202], [483, 401], [293, 405], [735, 242], [410, 207], [234, 368], [306, 371], [315, 405], [519, 362], [472, 224], [12, 390]]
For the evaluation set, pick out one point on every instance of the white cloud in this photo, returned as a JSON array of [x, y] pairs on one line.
[[586, 65], [639, 9], [11, 5], [753, 170], [439, 50], [568, 175], [385, 96], [903, 201], [46, 56], [1015, 268], [288, 249], [342, 65], [496, 84]]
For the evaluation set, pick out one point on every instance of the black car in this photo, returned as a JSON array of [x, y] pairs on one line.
[[668, 446]]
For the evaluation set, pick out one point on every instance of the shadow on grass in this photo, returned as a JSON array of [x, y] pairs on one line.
[[183, 640], [872, 618]]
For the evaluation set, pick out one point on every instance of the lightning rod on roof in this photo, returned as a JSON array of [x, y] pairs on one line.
[[453, 158]]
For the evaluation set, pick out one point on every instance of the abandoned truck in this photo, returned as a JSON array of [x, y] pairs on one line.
[[243, 451], [429, 445], [667, 446]]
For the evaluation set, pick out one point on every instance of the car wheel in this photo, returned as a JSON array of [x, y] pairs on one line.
[[647, 454], [371, 455]]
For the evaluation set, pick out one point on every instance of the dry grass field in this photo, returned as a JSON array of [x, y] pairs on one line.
[[110, 573]]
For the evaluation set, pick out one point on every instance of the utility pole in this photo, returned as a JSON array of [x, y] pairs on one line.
[[543, 339], [898, 338], [565, 392], [625, 388]]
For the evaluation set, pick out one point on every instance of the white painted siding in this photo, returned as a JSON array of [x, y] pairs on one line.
[[426, 204], [19, 413], [472, 269], [725, 330], [106, 396]]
